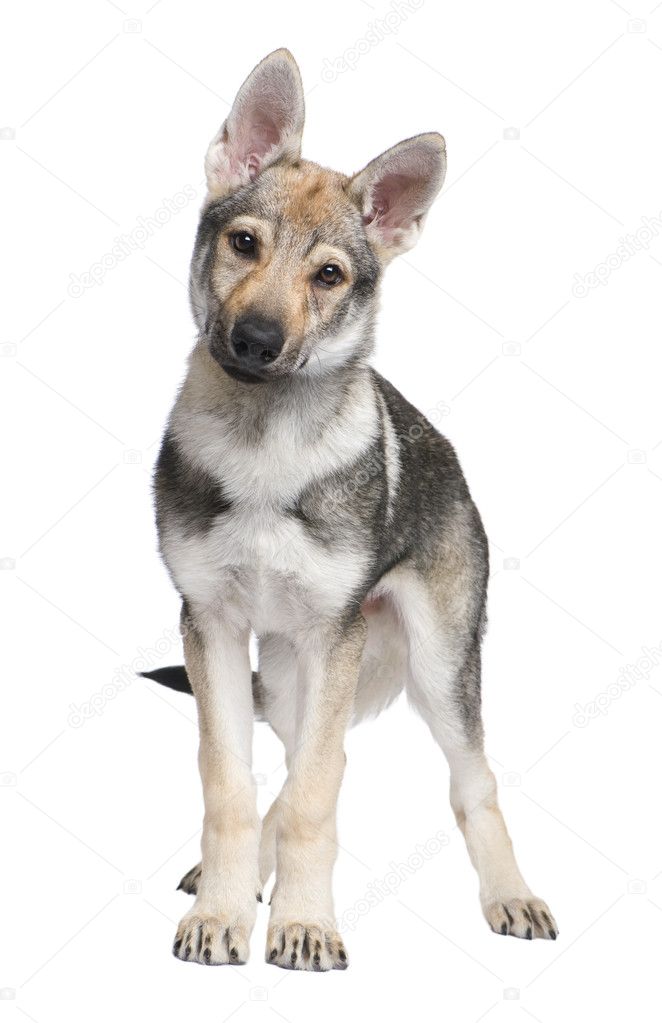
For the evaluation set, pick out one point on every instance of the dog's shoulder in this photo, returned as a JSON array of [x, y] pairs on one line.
[[426, 457], [184, 489], [429, 497]]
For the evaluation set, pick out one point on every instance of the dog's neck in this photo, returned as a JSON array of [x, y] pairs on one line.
[[308, 402]]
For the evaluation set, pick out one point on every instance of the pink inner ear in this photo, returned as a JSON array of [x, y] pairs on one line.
[[396, 200], [376, 212], [262, 136], [253, 166], [256, 139]]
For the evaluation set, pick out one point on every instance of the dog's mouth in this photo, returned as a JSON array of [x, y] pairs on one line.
[[219, 353], [242, 375]]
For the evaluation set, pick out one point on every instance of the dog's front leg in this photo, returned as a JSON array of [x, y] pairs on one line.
[[302, 933], [218, 926]]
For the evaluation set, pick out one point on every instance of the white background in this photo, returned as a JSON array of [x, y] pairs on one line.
[[551, 395]]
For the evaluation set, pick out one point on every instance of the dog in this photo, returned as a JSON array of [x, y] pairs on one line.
[[300, 498]]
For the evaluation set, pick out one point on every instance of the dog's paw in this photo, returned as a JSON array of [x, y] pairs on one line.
[[211, 941], [523, 918], [305, 947], [189, 882]]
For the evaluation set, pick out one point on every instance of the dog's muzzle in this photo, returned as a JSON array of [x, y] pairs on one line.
[[255, 344]]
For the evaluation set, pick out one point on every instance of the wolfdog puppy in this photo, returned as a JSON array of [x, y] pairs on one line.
[[300, 498]]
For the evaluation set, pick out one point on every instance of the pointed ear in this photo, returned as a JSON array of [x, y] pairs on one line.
[[395, 192], [264, 125]]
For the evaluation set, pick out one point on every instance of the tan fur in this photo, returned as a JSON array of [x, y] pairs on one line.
[[231, 828], [279, 283], [263, 565], [306, 811]]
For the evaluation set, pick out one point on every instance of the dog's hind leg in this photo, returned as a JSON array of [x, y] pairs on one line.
[[444, 686], [189, 882]]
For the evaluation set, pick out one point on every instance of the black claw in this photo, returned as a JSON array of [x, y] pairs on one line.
[[259, 896], [273, 954], [342, 954], [180, 886], [234, 954], [199, 940], [207, 954], [293, 958], [187, 951], [552, 935], [529, 934], [504, 928], [176, 947]]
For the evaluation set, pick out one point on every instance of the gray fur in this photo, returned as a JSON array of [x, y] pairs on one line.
[[309, 502], [431, 507]]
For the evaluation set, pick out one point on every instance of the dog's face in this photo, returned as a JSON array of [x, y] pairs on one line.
[[289, 277], [288, 254]]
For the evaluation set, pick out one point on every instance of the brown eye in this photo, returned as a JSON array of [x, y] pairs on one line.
[[329, 275], [243, 242]]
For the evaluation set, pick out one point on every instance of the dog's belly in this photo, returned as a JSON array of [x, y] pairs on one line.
[[264, 569]]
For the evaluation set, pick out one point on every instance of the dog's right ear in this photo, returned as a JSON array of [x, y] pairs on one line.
[[264, 125]]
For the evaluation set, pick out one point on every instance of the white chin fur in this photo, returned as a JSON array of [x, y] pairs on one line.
[[335, 351]]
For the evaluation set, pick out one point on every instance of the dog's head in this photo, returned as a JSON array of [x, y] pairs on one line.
[[289, 254]]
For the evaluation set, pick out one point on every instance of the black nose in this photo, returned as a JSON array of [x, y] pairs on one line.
[[256, 342]]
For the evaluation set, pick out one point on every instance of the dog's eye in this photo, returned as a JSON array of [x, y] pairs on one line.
[[243, 242], [329, 275]]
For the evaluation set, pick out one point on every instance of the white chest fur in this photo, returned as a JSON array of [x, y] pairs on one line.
[[264, 570], [257, 562]]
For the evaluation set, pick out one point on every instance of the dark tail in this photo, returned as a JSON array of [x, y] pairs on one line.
[[174, 677]]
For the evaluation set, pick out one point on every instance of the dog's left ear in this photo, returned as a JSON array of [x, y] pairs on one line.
[[264, 125], [395, 192]]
